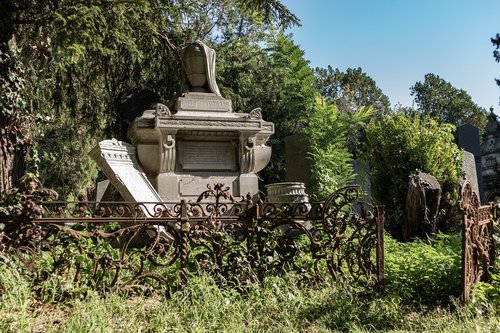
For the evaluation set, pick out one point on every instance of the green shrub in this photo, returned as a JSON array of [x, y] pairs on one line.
[[400, 145], [331, 160], [14, 299], [424, 271]]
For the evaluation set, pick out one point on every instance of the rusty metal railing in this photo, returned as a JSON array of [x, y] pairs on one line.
[[478, 246], [138, 246]]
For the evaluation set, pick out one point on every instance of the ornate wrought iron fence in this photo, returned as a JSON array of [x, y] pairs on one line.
[[478, 246], [158, 245]]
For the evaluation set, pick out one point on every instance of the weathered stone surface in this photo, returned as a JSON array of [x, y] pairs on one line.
[[208, 155], [203, 102], [422, 205], [198, 68], [119, 163], [469, 167], [287, 192], [467, 138], [101, 188], [298, 164]]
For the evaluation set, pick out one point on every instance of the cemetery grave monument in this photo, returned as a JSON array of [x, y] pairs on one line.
[[194, 140]]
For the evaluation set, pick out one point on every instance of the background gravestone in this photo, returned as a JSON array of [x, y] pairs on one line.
[[467, 138], [298, 163], [469, 166], [130, 104]]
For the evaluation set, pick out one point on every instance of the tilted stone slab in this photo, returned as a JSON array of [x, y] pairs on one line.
[[118, 161]]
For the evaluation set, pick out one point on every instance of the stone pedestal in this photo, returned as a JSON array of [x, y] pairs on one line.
[[204, 142]]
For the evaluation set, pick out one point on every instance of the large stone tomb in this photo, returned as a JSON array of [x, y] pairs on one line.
[[183, 152], [197, 139]]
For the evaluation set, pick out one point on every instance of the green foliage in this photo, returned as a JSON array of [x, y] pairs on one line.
[[15, 292], [400, 145], [331, 160], [23, 201], [351, 90], [496, 54], [279, 305], [439, 99], [424, 271], [75, 57], [12, 86], [277, 79], [486, 295], [420, 279]]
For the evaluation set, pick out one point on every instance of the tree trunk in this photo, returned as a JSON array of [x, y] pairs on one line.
[[12, 157], [12, 152]]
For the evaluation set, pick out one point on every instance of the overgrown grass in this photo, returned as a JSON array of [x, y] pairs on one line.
[[425, 270]]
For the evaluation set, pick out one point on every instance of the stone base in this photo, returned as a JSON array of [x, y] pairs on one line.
[[176, 187], [248, 184]]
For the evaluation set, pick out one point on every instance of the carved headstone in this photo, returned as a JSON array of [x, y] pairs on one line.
[[469, 168]]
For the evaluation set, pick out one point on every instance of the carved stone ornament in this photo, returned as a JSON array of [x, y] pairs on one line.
[[256, 113], [198, 64]]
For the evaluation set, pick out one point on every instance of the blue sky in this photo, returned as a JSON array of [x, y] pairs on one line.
[[398, 42]]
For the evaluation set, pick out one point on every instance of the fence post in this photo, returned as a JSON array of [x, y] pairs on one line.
[[184, 240], [249, 219], [253, 214], [379, 216]]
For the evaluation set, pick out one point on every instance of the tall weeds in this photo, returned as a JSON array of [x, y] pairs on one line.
[[279, 304]]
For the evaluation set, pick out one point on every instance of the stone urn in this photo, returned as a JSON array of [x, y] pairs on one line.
[[290, 193], [287, 192]]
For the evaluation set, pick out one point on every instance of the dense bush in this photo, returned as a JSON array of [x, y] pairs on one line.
[[398, 146], [331, 166]]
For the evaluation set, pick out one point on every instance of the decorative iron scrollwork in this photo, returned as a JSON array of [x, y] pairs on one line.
[[478, 251], [126, 246]]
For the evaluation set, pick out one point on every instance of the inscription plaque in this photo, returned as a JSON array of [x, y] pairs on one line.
[[211, 105], [207, 155]]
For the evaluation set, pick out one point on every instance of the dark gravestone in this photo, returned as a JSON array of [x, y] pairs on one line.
[[467, 138], [298, 163], [362, 172], [422, 205], [130, 104]]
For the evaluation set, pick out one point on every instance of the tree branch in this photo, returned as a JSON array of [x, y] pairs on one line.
[[169, 43]]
